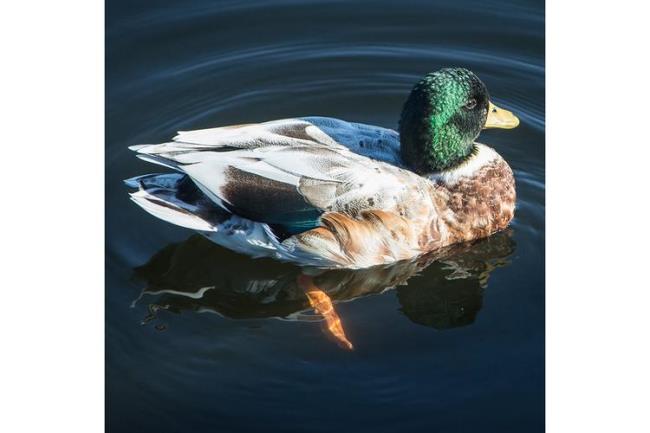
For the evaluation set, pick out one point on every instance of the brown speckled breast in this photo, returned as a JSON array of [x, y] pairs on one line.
[[477, 206]]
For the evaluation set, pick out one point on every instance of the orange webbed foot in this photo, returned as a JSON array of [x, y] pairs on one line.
[[322, 304]]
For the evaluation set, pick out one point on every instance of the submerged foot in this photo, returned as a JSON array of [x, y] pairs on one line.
[[322, 304]]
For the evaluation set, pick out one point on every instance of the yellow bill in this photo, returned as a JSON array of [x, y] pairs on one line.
[[500, 118]]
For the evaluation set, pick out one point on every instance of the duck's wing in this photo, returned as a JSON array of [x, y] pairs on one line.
[[285, 173], [375, 142]]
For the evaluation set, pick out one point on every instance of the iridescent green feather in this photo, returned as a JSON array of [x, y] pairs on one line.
[[437, 129]]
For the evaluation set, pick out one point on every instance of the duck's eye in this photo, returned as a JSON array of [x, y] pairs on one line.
[[470, 104]]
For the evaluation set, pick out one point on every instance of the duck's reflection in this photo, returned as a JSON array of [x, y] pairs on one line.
[[445, 288]]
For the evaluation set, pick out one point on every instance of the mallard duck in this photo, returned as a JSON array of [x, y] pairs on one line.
[[328, 193]]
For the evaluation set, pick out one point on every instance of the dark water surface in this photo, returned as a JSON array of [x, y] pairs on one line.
[[199, 339]]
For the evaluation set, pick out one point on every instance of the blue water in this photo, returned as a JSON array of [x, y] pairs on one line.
[[201, 339]]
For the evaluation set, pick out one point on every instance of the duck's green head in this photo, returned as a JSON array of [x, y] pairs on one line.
[[442, 117]]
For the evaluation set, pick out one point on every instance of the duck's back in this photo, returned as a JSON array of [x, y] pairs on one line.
[[372, 141]]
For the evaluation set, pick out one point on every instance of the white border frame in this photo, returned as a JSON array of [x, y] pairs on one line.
[[52, 324]]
